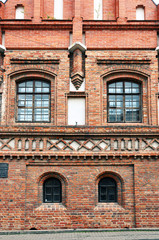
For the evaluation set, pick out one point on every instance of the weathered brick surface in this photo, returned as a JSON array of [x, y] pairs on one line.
[[118, 49]]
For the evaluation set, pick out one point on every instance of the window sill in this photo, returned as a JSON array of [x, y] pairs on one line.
[[108, 206], [51, 206]]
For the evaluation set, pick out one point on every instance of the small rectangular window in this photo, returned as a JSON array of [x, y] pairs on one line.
[[76, 111], [140, 13], [58, 9], [19, 12], [98, 10]]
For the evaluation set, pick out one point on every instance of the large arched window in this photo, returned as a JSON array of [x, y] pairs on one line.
[[107, 190], [52, 191], [124, 101], [33, 101]]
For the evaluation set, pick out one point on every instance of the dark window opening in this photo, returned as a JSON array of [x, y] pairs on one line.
[[52, 191], [124, 102], [107, 190], [33, 101]]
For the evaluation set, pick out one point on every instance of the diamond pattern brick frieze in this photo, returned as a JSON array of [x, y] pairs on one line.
[[89, 145]]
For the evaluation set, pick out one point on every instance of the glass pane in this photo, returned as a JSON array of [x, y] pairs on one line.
[[103, 197], [20, 117], [21, 111], [56, 190], [38, 90], [38, 84], [111, 88], [48, 190], [128, 87], [119, 101], [46, 85], [21, 90], [56, 198], [37, 111], [45, 117], [29, 84], [22, 85], [45, 111], [103, 190], [112, 115], [128, 115], [37, 118], [45, 90], [119, 87], [135, 88], [128, 101], [21, 103], [45, 104], [38, 103], [135, 115], [48, 198], [119, 115], [29, 90], [28, 117]]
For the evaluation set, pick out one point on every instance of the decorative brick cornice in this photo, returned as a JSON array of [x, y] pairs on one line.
[[34, 61], [123, 61]]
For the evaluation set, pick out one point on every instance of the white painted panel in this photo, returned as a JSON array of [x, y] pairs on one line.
[[98, 10], [58, 9], [19, 13], [76, 111], [140, 13], [81, 89]]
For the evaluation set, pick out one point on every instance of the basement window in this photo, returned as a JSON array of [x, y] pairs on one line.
[[52, 191], [107, 190], [33, 101]]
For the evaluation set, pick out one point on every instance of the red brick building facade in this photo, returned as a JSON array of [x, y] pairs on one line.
[[79, 134]]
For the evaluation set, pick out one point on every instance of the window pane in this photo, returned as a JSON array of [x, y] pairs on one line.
[[48, 198], [111, 88], [119, 115], [119, 101], [112, 115], [128, 115], [119, 87]]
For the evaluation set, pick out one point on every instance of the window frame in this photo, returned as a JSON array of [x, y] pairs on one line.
[[52, 195], [108, 187], [140, 94], [33, 94]]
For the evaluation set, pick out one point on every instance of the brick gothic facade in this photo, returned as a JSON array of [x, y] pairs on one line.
[[79, 108]]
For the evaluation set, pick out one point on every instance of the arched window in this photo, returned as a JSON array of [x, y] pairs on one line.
[[140, 13], [19, 12], [52, 191], [107, 190], [124, 101], [33, 101]]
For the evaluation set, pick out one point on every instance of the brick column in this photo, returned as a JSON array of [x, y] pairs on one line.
[[37, 10], [77, 22], [121, 9]]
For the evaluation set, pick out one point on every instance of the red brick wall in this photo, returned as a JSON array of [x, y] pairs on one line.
[[115, 50]]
